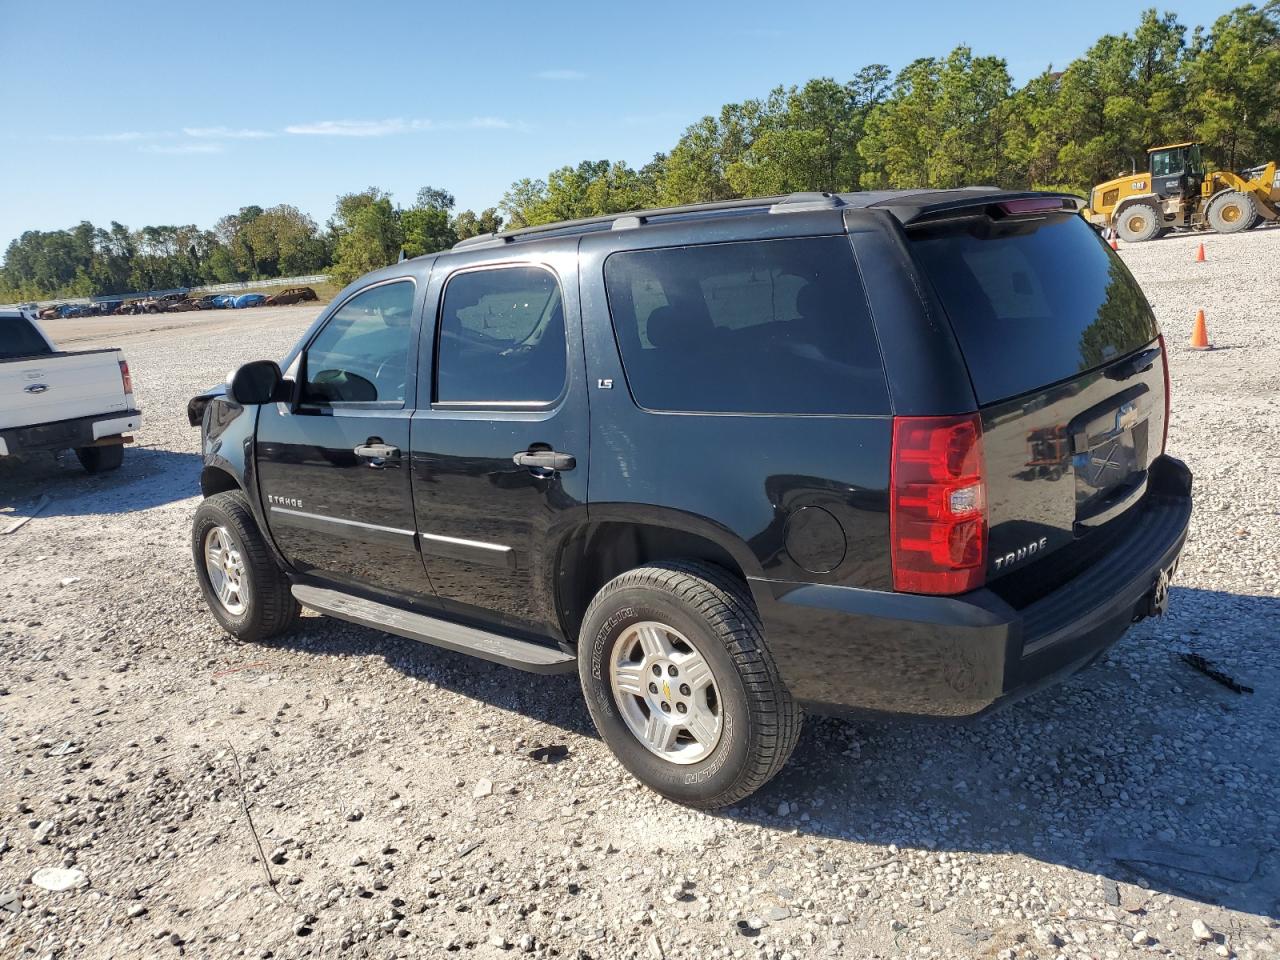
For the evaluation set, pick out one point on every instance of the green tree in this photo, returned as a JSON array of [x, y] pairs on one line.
[[427, 226], [282, 241], [1124, 95], [697, 168], [807, 139], [592, 188], [470, 224], [366, 232], [1233, 80], [944, 124]]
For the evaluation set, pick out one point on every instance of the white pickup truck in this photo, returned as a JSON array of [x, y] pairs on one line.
[[51, 400]]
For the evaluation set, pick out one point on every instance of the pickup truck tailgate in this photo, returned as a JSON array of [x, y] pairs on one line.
[[60, 386]]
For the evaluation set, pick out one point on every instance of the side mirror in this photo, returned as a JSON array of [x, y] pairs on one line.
[[257, 382]]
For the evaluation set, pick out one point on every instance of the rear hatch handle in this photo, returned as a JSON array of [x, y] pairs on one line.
[[1140, 362]]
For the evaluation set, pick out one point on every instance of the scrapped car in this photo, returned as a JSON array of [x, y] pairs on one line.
[[899, 452], [292, 295], [249, 300], [160, 304]]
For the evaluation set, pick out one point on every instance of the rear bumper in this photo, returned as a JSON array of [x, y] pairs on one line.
[[68, 434], [842, 649]]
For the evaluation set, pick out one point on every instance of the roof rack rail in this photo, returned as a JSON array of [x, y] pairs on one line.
[[795, 202], [789, 203]]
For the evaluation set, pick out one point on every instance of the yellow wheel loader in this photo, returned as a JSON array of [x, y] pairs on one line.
[[1176, 193]]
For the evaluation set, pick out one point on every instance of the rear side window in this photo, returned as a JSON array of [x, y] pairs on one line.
[[18, 338], [502, 337], [1032, 302], [765, 326]]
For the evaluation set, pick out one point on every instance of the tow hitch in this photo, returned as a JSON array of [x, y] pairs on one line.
[[1158, 599]]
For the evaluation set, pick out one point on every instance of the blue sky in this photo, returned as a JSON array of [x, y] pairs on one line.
[[177, 112]]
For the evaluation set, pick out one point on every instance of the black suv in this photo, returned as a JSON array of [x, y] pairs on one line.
[[899, 452]]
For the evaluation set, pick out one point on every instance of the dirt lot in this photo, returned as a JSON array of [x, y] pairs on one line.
[[1131, 811]]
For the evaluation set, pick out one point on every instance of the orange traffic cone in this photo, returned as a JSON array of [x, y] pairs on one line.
[[1114, 245], [1200, 254], [1200, 334]]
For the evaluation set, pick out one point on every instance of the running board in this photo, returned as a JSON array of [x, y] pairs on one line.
[[508, 651]]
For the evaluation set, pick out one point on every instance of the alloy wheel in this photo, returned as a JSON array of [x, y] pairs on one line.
[[666, 692], [226, 569]]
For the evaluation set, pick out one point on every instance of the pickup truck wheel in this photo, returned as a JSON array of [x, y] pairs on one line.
[[247, 593], [101, 459], [681, 686]]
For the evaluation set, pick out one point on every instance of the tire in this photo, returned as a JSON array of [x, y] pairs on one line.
[[1139, 222], [263, 605], [101, 459], [1231, 212], [713, 632]]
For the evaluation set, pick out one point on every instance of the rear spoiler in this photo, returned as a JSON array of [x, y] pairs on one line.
[[921, 208]]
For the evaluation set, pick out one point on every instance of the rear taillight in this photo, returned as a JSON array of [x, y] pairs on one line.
[[938, 505], [125, 377], [1168, 394]]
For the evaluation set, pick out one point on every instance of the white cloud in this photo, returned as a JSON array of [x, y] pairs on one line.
[[490, 123], [127, 136], [180, 148], [560, 74], [226, 133], [357, 128]]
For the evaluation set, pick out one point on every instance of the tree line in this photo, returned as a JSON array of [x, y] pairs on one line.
[[938, 123], [365, 232]]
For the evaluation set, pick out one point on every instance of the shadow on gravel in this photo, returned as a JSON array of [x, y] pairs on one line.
[[1140, 769], [553, 699], [148, 478]]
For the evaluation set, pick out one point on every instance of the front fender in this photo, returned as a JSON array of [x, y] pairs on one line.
[[1147, 198], [227, 437]]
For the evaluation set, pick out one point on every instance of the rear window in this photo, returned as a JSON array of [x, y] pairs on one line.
[[768, 326], [18, 338], [1034, 302]]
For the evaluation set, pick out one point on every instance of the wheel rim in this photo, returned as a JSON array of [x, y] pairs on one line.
[[1137, 224], [1230, 213], [666, 692], [224, 564]]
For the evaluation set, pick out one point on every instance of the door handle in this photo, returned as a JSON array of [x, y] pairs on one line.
[[545, 460], [377, 451]]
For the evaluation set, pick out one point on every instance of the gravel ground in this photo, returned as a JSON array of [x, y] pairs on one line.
[[1129, 811]]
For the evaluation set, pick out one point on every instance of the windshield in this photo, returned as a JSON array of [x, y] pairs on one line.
[[1032, 303], [1167, 163]]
